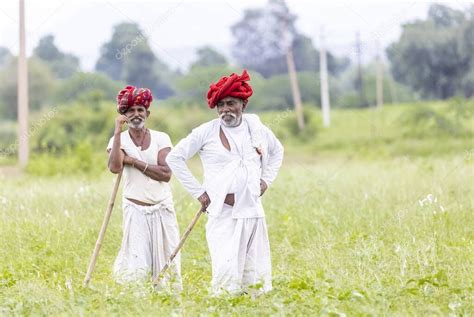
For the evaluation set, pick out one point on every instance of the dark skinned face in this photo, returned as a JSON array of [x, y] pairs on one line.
[[137, 116], [230, 111]]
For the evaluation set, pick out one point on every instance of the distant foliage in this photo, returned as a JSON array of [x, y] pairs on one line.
[[5, 56], [207, 56], [40, 88], [73, 125], [63, 65], [261, 42], [435, 56], [452, 120], [345, 94], [193, 86], [128, 57], [87, 87], [285, 126], [82, 159], [275, 93]]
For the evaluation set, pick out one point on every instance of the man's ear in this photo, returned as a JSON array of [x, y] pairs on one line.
[[148, 113], [244, 104]]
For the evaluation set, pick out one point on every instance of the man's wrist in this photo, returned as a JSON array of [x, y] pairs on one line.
[[202, 192]]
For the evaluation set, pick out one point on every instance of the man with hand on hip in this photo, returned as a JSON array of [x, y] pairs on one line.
[[241, 158]]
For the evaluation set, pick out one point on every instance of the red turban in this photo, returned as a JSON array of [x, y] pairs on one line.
[[233, 86], [133, 96]]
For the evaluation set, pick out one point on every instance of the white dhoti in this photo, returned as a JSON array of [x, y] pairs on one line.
[[150, 235], [240, 253], [237, 236]]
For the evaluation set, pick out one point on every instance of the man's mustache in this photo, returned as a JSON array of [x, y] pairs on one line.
[[228, 114]]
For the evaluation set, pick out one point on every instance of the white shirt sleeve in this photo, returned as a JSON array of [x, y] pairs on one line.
[[111, 142], [176, 159], [275, 157], [109, 145], [164, 141]]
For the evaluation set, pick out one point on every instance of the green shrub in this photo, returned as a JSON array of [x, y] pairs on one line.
[[79, 160], [452, 119], [285, 125], [74, 124]]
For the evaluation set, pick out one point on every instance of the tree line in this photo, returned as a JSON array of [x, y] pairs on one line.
[[432, 59]]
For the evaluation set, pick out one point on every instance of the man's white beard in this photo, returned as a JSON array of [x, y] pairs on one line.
[[233, 123], [134, 125]]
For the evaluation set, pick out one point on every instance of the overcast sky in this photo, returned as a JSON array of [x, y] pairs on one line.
[[176, 28]]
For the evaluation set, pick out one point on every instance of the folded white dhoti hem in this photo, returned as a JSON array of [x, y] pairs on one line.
[[150, 235], [240, 253]]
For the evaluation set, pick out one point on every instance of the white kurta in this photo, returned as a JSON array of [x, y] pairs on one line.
[[237, 235]]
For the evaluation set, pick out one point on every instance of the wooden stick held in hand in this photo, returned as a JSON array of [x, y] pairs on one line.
[[180, 244], [105, 223]]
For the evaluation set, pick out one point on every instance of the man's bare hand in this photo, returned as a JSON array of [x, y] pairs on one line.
[[263, 187], [204, 200], [119, 122]]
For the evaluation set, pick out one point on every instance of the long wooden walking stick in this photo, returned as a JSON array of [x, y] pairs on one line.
[[105, 223], [180, 244]]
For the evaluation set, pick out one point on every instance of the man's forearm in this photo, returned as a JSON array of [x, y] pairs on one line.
[[155, 172]]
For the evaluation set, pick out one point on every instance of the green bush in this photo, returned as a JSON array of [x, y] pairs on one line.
[[74, 138], [74, 124], [452, 119], [275, 92], [8, 132], [79, 160], [285, 126], [86, 87]]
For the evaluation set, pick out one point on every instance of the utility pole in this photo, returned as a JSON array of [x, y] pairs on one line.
[[22, 93], [323, 73]]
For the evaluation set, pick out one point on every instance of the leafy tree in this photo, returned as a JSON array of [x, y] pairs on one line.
[[40, 86], [207, 56], [260, 37], [5, 56], [193, 86], [87, 86], [434, 57], [47, 50], [63, 65], [275, 93], [344, 92], [128, 57]]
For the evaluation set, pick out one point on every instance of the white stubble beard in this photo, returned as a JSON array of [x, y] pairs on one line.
[[137, 126], [235, 121]]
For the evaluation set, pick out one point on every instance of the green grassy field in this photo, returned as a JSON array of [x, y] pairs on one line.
[[373, 216], [349, 236]]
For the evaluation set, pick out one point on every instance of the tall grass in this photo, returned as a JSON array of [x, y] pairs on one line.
[[348, 237]]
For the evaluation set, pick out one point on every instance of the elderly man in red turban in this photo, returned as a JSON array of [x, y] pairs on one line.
[[241, 158], [150, 229]]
